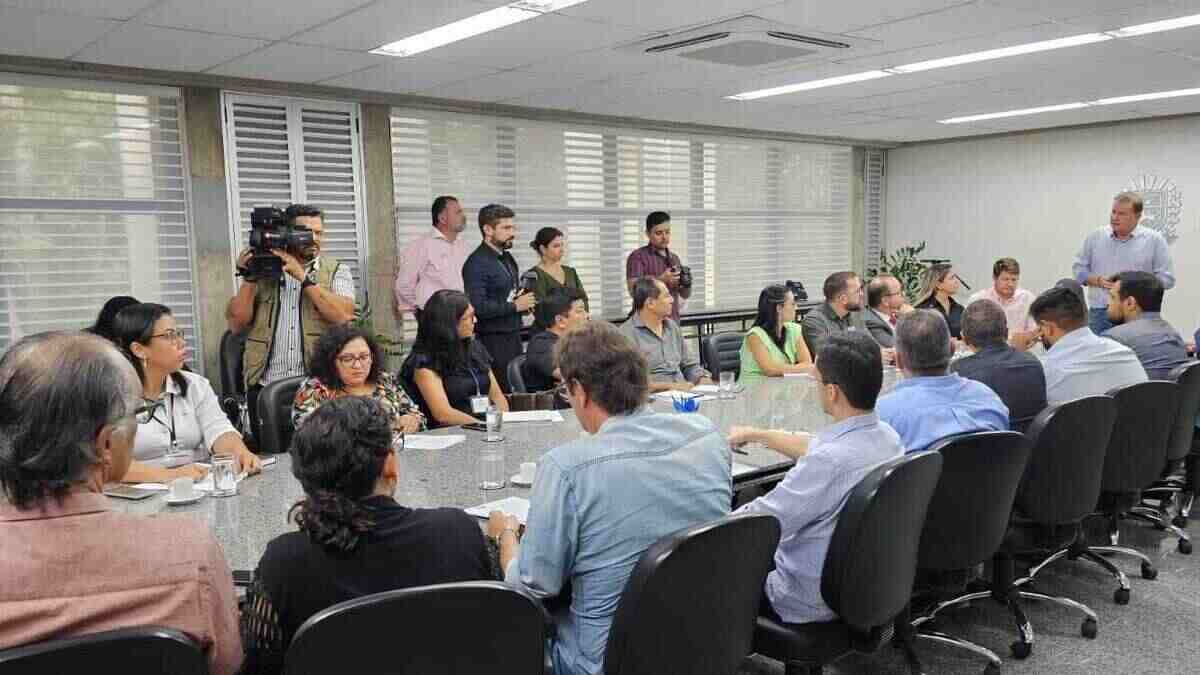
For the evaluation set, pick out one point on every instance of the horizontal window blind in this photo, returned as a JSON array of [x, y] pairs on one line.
[[874, 198], [744, 213], [93, 204], [282, 150]]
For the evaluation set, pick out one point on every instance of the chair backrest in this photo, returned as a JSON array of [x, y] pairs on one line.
[[232, 347], [970, 510], [467, 627], [1137, 450], [689, 605], [275, 414], [1187, 376], [722, 352], [516, 376], [141, 650], [1062, 480], [872, 557]]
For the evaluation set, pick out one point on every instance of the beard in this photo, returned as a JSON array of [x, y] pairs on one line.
[[504, 245]]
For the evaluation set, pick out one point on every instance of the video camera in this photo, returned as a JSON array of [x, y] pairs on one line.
[[797, 290], [270, 230]]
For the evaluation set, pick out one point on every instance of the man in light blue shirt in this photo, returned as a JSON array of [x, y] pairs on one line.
[[599, 502], [829, 465], [1120, 247], [1134, 305], [1078, 362], [929, 404]]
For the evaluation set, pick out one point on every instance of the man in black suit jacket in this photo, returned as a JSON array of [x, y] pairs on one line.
[[1016, 377], [884, 301]]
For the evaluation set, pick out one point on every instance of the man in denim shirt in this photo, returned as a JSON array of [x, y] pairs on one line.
[[599, 502]]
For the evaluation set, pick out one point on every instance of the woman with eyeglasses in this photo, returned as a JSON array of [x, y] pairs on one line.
[[939, 283], [347, 361], [181, 413]]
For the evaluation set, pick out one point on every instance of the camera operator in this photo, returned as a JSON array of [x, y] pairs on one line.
[[282, 321], [656, 260]]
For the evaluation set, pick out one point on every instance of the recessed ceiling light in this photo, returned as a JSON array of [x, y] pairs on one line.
[[811, 84], [1156, 26], [988, 55], [471, 26], [1015, 113], [1147, 97]]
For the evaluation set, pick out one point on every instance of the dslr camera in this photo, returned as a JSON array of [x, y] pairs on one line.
[[270, 230], [797, 290], [685, 275]]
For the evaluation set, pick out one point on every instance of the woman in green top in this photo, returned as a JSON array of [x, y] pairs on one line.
[[774, 347], [551, 273]]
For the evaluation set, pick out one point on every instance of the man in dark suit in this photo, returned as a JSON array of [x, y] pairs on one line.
[[884, 300], [1016, 377]]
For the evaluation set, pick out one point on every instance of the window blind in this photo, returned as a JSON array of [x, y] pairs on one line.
[[873, 207], [93, 204], [744, 213], [281, 151]]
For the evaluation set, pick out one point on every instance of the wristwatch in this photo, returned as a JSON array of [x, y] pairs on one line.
[[309, 280]]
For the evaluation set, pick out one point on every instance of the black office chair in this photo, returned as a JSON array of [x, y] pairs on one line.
[[275, 412], [1174, 484], [676, 617], [1059, 489], [868, 574], [968, 516], [233, 386], [516, 375], [447, 629], [722, 352], [140, 650]]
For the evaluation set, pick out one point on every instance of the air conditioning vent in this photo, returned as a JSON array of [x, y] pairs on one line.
[[808, 39], [670, 46]]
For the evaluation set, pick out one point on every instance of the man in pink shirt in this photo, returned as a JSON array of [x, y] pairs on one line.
[[434, 261], [1022, 329], [69, 564]]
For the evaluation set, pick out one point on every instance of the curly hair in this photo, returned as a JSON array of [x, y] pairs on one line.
[[338, 455], [323, 362]]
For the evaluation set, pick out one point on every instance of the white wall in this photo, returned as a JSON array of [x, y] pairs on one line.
[[1034, 197]]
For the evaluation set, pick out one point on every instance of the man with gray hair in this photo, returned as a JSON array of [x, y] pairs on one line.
[[929, 404], [69, 411], [1015, 376]]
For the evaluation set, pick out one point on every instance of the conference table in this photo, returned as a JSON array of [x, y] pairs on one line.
[[245, 523]]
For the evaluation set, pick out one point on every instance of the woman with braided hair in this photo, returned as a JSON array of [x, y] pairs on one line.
[[354, 538]]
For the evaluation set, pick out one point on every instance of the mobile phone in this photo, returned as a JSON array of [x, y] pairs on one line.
[[128, 492], [476, 426], [267, 461]]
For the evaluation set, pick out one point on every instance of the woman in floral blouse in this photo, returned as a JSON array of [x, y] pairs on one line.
[[346, 361]]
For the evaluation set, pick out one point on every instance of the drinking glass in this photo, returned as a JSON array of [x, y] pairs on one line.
[[491, 467], [725, 389], [495, 422], [224, 472]]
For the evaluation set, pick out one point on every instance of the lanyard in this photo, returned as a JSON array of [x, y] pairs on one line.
[[476, 379], [170, 416]]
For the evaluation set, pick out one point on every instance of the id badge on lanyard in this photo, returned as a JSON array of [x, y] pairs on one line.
[[479, 402]]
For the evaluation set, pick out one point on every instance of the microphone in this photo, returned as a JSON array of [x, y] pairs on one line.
[[528, 281]]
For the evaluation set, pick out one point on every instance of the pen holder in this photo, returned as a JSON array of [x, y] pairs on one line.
[[685, 405]]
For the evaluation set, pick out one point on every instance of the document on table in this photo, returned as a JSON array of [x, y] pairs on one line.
[[431, 442], [203, 485], [513, 506], [533, 416], [798, 375]]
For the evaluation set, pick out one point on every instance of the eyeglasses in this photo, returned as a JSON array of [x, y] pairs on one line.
[[145, 412], [174, 334], [354, 359]]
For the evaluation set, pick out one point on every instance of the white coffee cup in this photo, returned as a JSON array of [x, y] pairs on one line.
[[182, 488], [528, 471]]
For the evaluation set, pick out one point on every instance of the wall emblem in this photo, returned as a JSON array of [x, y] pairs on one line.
[[1162, 207]]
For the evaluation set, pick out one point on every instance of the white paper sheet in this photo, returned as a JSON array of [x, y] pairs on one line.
[[423, 442], [513, 506], [533, 416]]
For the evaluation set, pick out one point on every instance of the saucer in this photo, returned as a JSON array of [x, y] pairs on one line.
[[189, 500], [516, 480]]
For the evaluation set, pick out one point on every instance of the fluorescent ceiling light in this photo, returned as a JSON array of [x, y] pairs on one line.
[[1015, 113], [1147, 97], [811, 84], [471, 26], [1156, 26], [988, 55]]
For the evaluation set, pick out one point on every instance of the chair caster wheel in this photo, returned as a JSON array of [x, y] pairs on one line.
[[1089, 628], [991, 669], [1121, 597], [1185, 547], [1149, 572], [1020, 650], [1180, 521]]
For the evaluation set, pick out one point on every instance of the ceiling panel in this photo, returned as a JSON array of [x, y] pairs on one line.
[[660, 15], [510, 84], [139, 46], [287, 62], [386, 21], [841, 17], [955, 23], [1064, 118], [409, 75], [50, 36], [1133, 13], [1066, 9], [103, 9], [538, 40], [912, 130], [250, 19]]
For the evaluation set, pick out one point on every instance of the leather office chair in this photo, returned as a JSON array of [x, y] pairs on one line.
[[275, 412], [516, 375], [676, 617], [1174, 484], [968, 515], [140, 650], [233, 386], [1058, 490], [447, 629], [868, 574], [722, 352]]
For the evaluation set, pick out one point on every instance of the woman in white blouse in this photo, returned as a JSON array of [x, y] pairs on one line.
[[187, 414]]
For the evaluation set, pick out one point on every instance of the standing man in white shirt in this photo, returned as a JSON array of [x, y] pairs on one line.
[[1120, 247], [434, 261], [1015, 301]]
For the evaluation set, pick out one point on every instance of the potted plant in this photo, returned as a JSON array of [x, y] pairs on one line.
[[904, 263]]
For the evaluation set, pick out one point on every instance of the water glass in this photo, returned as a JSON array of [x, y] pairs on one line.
[[491, 467], [495, 422], [224, 473], [725, 388], [397, 441]]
